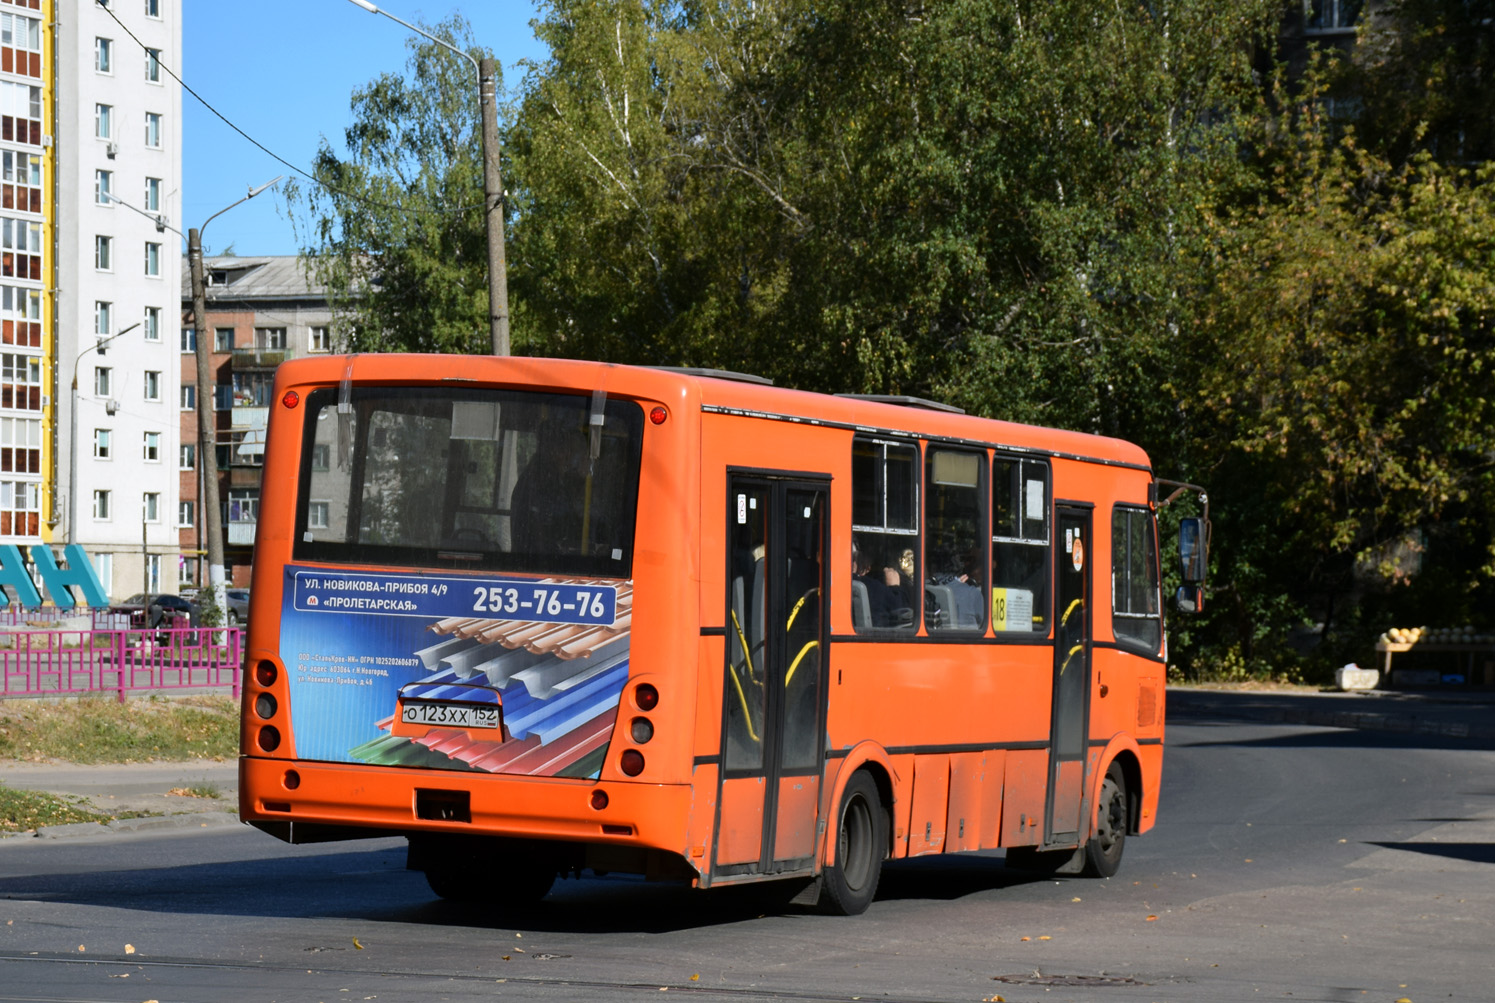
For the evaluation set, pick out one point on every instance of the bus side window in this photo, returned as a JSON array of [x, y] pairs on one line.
[[1020, 503], [954, 588], [1136, 617], [885, 533]]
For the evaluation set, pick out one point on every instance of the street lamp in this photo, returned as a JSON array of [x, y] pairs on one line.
[[207, 445], [493, 185], [72, 481]]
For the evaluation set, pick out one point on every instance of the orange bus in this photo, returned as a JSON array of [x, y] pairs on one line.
[[686, 624]]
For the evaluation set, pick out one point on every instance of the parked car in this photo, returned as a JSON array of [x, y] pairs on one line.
[[238, 606], [148, 610]]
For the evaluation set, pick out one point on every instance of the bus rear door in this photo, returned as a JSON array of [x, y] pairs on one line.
[[1071, 676]]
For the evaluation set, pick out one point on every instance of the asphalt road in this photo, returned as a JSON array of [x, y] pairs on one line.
[[1289, 862]]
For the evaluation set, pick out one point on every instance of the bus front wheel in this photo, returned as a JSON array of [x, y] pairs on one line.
[[861, 843], [1103, 851]]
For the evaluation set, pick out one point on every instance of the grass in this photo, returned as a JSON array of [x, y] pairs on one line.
[[100, 729], [22, 811]]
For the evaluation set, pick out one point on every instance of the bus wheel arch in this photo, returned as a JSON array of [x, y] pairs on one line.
[[860, 837]]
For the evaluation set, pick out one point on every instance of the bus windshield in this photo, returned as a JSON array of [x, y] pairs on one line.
[[466, 478]]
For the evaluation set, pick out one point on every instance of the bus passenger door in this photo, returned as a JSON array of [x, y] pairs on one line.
[[1071, 675], [773, 718]]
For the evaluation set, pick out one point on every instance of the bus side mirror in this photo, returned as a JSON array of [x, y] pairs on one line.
[[1189, 598], [1192, 558]]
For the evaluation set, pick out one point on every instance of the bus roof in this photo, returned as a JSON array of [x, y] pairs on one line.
[[725, 393]]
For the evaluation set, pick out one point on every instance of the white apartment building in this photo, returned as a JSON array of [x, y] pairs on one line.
[[116, 150]]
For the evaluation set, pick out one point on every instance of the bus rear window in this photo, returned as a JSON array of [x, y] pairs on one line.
[[472, 479]]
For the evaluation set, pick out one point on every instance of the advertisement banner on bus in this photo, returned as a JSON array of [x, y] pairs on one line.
[[504, 674]]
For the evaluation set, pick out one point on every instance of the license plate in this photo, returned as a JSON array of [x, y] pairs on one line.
[[452, 715]]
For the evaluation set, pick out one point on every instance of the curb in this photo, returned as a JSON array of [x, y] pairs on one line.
[[185, 821]]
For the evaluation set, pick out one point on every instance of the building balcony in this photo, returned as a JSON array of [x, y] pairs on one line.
[[260, 358], [241, 534]]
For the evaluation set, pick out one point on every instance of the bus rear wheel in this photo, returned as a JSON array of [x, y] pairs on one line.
[[861, 843], [1103, 850]]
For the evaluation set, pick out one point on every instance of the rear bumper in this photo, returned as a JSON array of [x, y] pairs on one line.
[[382, 798]]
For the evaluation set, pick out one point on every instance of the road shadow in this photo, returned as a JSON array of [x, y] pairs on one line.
[[1476, 853], [373, 884]]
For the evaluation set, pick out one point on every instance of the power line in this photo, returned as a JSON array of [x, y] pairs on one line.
[[102, 4]]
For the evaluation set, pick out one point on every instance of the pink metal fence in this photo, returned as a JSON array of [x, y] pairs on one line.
[[62, 662]]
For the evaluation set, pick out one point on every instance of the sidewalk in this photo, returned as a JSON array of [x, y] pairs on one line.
[[1457, 715], [136, 787]]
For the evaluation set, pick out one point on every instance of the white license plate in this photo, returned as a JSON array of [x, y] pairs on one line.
[[453, 715]]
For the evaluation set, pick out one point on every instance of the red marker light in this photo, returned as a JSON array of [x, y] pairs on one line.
[[291, 399], [599, 799], [646, 696], [658, 415], [631, 762]]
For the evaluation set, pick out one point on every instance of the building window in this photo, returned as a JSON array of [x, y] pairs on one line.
[[101, 442], [885, 528], [103, 55], [187, 457], [152, 8], [103, 253], [243, 504], [189, 396], [1331, 15], [252, 388], [150, 504], [153, 65], [321, 339], [103, 121], [223, 339], [22, 240], [152, 323], [103, 185], [153, 194], [1019, 544], [20, 32], [186, 514], [223, 397], [152, 385], [151, 452], [270, 338], [101, 504], [153, 130], [20, 382], [103, 317], [1136, 607], [103, 381], [321, 456], [152, 259], [103, 565], [20, 508], [20, 445], [317, 513], [153, 570], [189, 340]]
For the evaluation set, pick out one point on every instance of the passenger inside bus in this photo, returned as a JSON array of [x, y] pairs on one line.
[[886, 602], [959, 601]]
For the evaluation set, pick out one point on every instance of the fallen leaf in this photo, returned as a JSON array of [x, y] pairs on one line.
[[80, 948], [129, 948], [1045, 937], [506, 957], [1152, 919], [1025, 938], [1075, 899], [696, 977], [356, 944], [1248, 860]]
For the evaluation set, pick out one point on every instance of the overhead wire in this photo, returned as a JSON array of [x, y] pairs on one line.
[[353, 196]]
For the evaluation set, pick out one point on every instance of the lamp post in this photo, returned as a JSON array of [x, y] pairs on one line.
[[72, 480], [493, 186], [207, 444]]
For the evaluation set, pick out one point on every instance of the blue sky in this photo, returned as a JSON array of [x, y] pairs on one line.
[[286, 79]]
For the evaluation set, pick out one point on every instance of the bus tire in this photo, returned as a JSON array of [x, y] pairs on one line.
[[861, 843], [1103, 850]]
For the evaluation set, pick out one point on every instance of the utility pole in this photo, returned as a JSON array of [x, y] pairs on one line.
[[210, 517], [493, 210]]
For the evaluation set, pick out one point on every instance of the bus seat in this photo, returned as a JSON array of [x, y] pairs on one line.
[[861, 607], [940, 606]]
